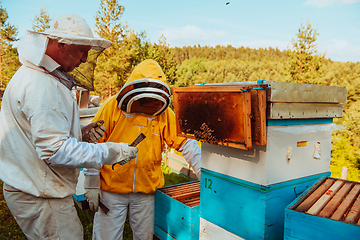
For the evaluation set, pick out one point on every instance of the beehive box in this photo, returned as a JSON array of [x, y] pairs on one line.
[[330, 209], [249, 210], [290, 153], [235, 114], [177, 210], [303, 101]]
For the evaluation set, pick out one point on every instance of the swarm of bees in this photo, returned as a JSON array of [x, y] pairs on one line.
[[205, 134]]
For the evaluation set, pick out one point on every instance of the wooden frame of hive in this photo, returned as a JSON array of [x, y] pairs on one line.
[[229, 115], [330, 209]]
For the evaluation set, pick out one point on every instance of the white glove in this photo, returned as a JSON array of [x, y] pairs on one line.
[[120, 153], [92, 191], [93, 131], [192, 153]]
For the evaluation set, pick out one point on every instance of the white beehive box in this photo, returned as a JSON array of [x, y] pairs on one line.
[[296, 152]]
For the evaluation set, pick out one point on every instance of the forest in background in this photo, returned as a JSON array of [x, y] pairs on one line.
[[189, 65]]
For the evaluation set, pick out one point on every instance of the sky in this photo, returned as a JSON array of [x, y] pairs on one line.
[[254, 24]]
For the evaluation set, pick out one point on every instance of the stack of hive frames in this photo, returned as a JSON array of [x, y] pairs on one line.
[[335, 199], [188, 194], [177, 210], [327, 210]]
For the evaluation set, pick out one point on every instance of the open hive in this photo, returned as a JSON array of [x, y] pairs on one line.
[[230, 115], [335, 199], [177, 210], [237, 114], [188, 194]]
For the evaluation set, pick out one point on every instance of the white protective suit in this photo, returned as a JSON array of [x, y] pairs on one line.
[[40, 149], [38, 117]]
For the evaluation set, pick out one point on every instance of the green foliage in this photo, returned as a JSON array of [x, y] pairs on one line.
[[201, 70], [114, 66], [228, 53], [116, 63], [8, 32], [86, 217], [9, 64], [346, 143], [304, 62], [172, 178], [107, 21], [41, 22], [203, 64], [161, 53], [110, 63], [343, 154], [8, 56]]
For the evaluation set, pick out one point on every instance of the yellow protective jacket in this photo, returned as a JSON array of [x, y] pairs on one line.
[[142, 174]]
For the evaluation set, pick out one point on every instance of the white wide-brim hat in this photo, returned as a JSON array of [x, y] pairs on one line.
[[70, 28]]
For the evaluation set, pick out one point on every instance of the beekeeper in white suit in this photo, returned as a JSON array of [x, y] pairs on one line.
[[41, 152]]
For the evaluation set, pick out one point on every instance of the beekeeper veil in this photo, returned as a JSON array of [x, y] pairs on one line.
[[70, 29], [145, 92]]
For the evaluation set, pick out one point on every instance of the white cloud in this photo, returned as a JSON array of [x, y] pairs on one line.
[[336, 50], [340, 50], [191, 33], [326, 3]]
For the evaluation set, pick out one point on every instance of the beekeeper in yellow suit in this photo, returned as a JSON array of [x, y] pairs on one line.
[[141, 106]]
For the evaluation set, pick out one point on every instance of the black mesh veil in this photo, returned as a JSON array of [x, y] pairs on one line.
[[84, 74]]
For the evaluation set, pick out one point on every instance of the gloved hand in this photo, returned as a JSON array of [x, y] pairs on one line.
[[92, 191], [120, 153], [93, 131]]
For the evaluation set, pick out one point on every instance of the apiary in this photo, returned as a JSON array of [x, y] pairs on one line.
[[177, 211], [330, 209], [263, 144]]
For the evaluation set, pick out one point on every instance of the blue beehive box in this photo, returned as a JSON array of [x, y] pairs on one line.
[[330, 209], [246, 209], [177, 211]]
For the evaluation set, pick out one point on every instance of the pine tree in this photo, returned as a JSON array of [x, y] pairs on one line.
[[114, 63], [162, 54], [304, 61], [8, 56], [41, 22]]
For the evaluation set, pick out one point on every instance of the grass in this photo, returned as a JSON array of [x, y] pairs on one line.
[[10, 230]]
